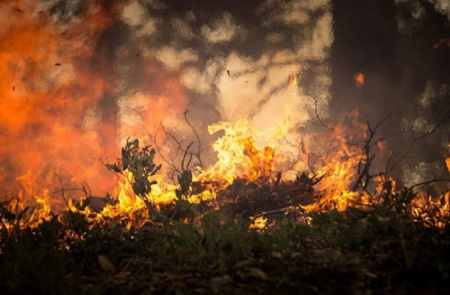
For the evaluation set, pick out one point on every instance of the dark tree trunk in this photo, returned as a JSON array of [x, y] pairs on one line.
[[424, 56], [365, 41]]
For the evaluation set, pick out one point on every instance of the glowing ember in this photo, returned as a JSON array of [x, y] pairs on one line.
[[293, 80], [432, 211], [258, 223], [443, 41], [447, 161], [359, 79]]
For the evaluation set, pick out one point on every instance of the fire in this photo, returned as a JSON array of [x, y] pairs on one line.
[[259, 223], [359, 79], [339, 168], [128, 205], [443, 41], [447, 161], [293, 80], [49, 88], [58, 106], [432, 211], [238, 155], [48, 101]]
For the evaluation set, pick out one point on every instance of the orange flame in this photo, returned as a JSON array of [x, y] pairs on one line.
[[238, 155], [293, 80], [432, 211], [339, 168], [259, 223], [359, 79], [447, 161], [48, 101]]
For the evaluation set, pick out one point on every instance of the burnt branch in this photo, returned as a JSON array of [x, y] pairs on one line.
[[199, 146], [316, 110], [62, 190], [282, 210], [364, 176], [425, 183]]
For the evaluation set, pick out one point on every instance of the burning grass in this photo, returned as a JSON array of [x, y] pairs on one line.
[[381, 250], [239, 226], [290, 209]]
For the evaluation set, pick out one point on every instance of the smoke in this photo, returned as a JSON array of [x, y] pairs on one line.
[[49, 99], [424, 85], [442, 6], [230, 62], [79, 77]]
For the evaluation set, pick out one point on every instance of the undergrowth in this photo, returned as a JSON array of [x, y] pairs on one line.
[[382, 250]]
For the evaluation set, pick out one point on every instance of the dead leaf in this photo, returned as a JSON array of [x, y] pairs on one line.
[[295, 255], [106, 264], [123, 274], [245, 263], [256, 273], [277, 254], [370, 274]]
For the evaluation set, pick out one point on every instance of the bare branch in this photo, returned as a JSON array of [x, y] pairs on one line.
[[422, 184], [197, 137], [315, 107], [62, 190]]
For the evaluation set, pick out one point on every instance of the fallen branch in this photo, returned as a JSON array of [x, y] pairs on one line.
[[282, 210]]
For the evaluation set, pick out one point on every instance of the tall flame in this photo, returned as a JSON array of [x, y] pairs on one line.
[[48, 105]]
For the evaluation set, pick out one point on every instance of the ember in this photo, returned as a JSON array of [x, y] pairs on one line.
[[359, 79]]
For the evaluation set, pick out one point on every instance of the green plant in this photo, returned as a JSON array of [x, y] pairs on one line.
[[140, 162]]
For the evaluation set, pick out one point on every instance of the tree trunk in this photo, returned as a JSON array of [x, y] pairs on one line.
[[365, 42]]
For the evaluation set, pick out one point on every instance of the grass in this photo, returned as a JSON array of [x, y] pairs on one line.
[[378, 251]]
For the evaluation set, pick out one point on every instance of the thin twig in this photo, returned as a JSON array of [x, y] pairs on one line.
[[428, 182], [62, 190], [197, 137], [438, 124], [286, 209], [185, 168], [315, 107], [368, 159]]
